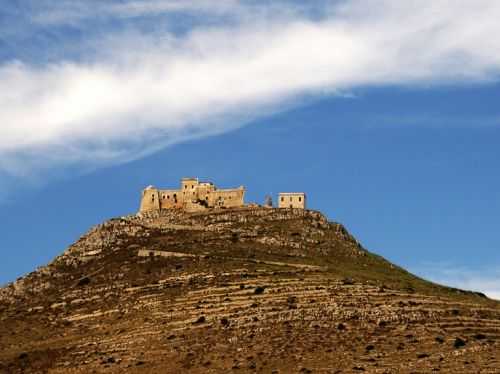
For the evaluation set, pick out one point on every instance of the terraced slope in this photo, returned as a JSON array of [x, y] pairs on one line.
[[247, 290]]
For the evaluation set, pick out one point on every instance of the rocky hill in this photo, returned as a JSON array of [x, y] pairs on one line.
[[244, 290]]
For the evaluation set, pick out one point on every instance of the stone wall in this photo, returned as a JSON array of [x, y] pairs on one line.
[[229, 198], [171, 199]]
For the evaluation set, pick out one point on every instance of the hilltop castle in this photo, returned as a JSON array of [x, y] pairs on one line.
[[192, 196], [197, 196]]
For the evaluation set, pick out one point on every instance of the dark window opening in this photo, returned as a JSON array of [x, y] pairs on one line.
[[300, 198], [282, 199]]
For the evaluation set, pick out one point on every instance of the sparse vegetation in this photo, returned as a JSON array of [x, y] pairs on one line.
[[293, 293]]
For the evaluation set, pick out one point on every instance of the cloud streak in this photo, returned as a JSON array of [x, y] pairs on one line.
[[144, 90]]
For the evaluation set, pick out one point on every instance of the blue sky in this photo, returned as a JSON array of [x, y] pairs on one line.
[[385, 113]]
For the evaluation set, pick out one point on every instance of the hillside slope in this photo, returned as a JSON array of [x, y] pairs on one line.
[[248, 290]]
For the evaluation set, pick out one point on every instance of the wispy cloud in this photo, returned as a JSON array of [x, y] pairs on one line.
[[486, 281], [142, 90], [75, 11]]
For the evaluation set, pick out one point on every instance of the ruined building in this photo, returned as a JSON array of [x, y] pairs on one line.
[[192, 196]]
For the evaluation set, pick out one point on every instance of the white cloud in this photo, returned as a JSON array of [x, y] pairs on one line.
[[76, 11], [145, 91], [486, 281]]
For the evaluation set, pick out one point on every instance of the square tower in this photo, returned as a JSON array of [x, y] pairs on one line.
[[188, 184], [189, 189]]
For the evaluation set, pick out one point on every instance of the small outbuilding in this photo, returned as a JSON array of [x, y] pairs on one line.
[[292, 200]]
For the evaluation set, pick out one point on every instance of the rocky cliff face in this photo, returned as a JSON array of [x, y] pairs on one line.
[[266, 290]]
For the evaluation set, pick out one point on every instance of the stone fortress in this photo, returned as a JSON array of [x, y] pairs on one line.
[[194, 196]]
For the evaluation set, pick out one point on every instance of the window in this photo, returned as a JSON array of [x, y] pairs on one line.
[[168, 196], [282, 198], [192, 186], [152, 197], [300, 198], [185, 186], [163, 197], [290, 199]]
